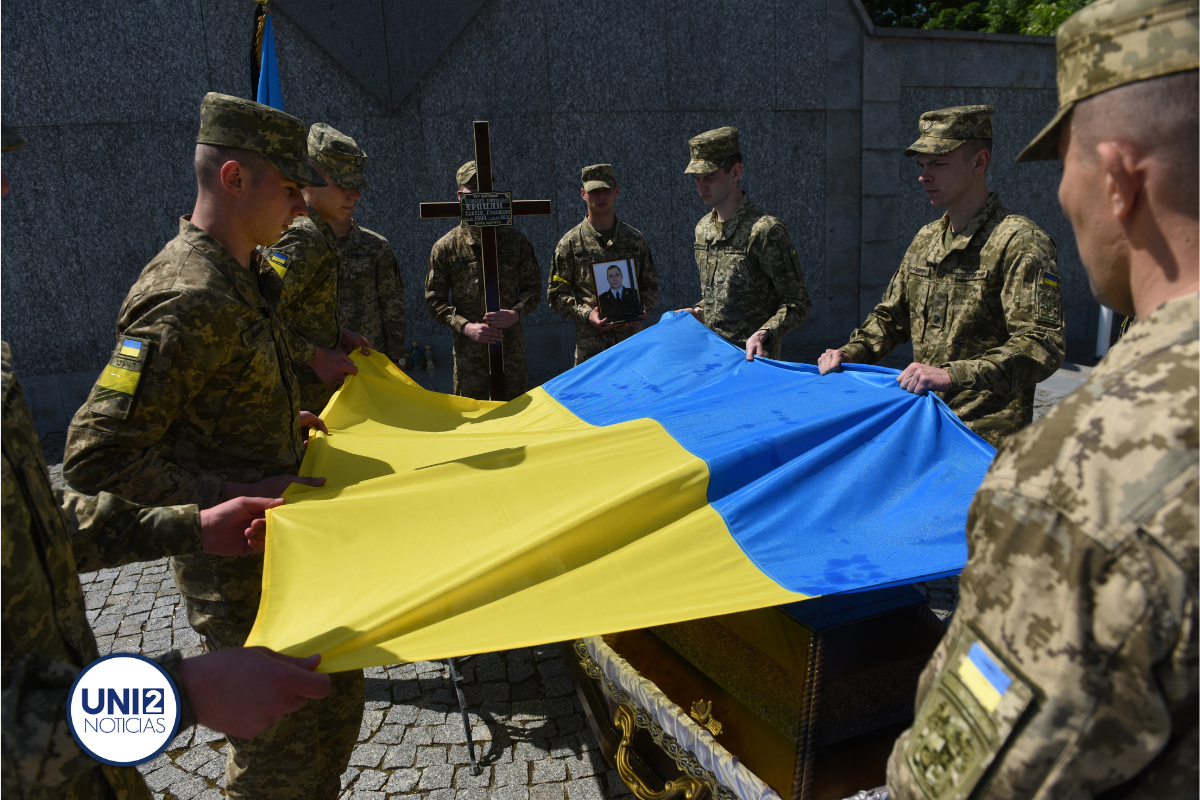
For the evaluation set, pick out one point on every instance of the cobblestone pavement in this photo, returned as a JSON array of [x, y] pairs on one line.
[[532, 739]]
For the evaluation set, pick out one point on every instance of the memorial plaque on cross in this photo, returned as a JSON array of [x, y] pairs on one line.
[[487, 210]]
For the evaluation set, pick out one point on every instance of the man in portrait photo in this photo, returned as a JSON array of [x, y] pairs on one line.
[[620, 302]]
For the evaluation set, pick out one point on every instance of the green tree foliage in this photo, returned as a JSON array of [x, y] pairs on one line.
[[1032, 17]]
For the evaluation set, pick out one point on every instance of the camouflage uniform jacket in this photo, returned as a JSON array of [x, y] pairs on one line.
[[204, 395], [305, 296], [48, 537], [1079, 597], [572, 291], [370, 291], [750, 276], [454, 283], [989, 311]]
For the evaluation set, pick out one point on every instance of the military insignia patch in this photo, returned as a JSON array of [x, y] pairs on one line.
[[1049, 299], [926, 125], [278, 262], [967, 716], [118, 382]]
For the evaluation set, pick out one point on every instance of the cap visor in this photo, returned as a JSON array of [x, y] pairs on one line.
[[352, 181], [299, 171], [701, 168], [933, 146], [1044, 146], [590, 185]]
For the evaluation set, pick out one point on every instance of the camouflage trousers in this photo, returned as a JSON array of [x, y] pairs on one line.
[[303, 755], [472, 366], [593, 343]]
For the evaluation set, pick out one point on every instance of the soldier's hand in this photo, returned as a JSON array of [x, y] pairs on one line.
[[504, 318], [350, 340], [310, 420], [922, 378], [482, 332], [332, 366], [599, 322], [242, 691], [696, 312], [271, 487], [831, 360], [237, 527], [755, 345]]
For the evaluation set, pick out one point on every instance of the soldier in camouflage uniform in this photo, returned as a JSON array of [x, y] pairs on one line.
[[307, 263], [454, 296], [600, 237], [48, 537], [370, 290], [750, 276], [977, 292], [1070, 668], [200, 403]]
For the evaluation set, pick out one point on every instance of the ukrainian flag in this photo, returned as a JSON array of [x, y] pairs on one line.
[[663, 480], [269, 92]]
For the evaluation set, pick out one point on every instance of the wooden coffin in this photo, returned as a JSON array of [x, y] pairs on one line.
[[809, 697]]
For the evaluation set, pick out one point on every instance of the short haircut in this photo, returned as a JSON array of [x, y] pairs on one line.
[[1159, 116], [618, 269], [211, 157], [972, 147], [729, 161]]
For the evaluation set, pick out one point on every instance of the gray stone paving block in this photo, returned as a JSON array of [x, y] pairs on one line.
[[367, 795], [405, 690], [159, 624], [162, 778], [204, 734], [616, 786], [532, 750], [558, 687], [213, 769], [139, 603], [463, 779], [548, 771], [585, 765], [349, 775], [109, 623], [156, 640], [447, 697], [458, 754], [490, 671], [95, 600], [563, 746], [401, 715], [191, 652], [585, 789], [182, 739], [547, 791], [123, 588], [127, 644], [519, 670], [402, 671], [402, 781], [104, 644], [571, 724], [524, 710], [544, 651], [167, 610], [472, 794], [481, 733], [423, 667], [430, 681], [440, 794], [418, 736], [186, 637], [526, 690], [188, 787], [558, 706], [158, 762], [431, 756], [369, 780], [436, 777], [553, 668], [510, 793], [367, 755], [371, 720], [93, 614], [514, 774], [450, 733], [209, 794], [495, 692], [402, 755], [196, 757], [388, 734], [432, 716]]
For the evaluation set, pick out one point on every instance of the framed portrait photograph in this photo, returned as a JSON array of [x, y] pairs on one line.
[[616, 288]]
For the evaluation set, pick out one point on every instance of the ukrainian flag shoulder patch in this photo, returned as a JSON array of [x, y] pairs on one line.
[[278, 262], [1049, 279], [118, 382]]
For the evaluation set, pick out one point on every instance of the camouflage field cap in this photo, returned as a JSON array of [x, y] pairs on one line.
[[1112, 43], [948, 128], [598, 176], [228, 121], [710, 149], [10, 140], [340, 156], [464, 174]]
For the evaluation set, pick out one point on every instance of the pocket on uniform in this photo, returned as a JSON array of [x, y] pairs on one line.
[[118, 384], [968, 715]]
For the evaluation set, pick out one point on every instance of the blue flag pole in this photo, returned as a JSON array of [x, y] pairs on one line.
[[269, 92]]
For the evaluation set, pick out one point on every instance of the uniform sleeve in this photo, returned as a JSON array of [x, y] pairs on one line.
[[885, 328], [303, 295], [1032, 303], [121, 451], [391, 303], [647, 280], [781, 265], [560, 294], [437, 289], [531, 281], [107, 531]]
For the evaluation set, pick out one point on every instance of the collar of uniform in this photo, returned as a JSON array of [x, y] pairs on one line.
[[323, 227], [590, 229], [244, 280], [468, 237], [963, 238], [1174, 322], [730, 225]]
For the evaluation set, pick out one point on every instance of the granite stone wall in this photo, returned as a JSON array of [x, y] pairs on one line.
[[107, 93]]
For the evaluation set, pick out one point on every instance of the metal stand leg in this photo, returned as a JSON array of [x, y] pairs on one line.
[[462, 707]]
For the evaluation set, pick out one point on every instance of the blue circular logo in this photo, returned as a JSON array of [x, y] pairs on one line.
[[123, 709]]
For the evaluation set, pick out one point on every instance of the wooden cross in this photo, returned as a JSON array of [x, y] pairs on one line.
[[486, 210]]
